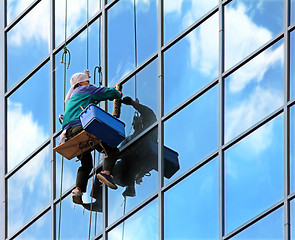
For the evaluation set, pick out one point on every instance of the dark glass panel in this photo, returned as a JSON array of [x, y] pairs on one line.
[[75, 221], [191, 64], [136, 175], [179, 15], [121, 36], [29, 190], [254, 91], [243, 18], [39, 230], [192, 134], [192, 206], [142, 225], [28, 43], [251, 167], [28, 117], [270, 227]]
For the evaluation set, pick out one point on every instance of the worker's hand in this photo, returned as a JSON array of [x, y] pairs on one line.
[[121, 94], [127, 100]]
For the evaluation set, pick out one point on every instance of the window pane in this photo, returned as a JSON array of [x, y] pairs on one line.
[[76, 16], [292, 64], [251, 166], [192, 133], [142, 111], [78, 63], [121, 54], [29, 190], [143, 225], [179, 15], [75, 221], [292, 203], [136, 176], [39, 230], [14, 8], [191, 64], [270, 227], [192, 206], [28, 117], [28, 43], [245, 17], [254, 91], [292, 148], [292, 11]]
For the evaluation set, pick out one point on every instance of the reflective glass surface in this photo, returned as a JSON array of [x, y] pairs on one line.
[[78, 63], [254, 91], [75, 221], [245, 17], [143, 225], [122, 54], [14, 8], [292, 149], [29, 190], [191, 64], [141, 111], [192, 206], [178, 15], [39, 230], [28, 43], [292, 64], [270, 227], [292, 11], [251, 166], [28, 117], [76, 16], [292, 203], [136, 175], [192, 134]]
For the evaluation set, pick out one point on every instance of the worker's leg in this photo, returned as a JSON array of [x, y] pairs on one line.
[[84, 170]]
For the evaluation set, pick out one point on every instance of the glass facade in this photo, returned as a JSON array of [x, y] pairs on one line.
[[209, 151]]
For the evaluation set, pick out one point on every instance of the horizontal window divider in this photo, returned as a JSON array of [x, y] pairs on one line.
[[291, 196], [254, 220], [190, 29], [31, 221], [65, 194], [250, 130], [191, 99], [110, 4], [253, 55], [28, 76], [21, 15], [27, 159], [190, 171]]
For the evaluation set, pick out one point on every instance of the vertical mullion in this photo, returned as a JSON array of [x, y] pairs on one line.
[[103, 105], [221, 121], [52, 119], [287, 233], [160, 123]]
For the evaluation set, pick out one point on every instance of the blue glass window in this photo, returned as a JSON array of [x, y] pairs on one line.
[[251, 166], [191, 64], [292, 204], [243, 18], [28, 43], [292, 64], [14, 8], [254, 91], [292, 148], [192, 206], [179, 15], [192, 133]]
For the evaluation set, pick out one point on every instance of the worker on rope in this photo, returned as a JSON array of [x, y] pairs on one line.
[[82, 93]]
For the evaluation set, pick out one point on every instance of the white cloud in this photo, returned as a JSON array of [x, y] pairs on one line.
[[173, 6], [241, 117]]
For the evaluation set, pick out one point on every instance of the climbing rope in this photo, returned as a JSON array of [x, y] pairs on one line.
[[64, 61], [135, 45]]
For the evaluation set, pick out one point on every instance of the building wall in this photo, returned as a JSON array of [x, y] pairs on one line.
[[214, 85]]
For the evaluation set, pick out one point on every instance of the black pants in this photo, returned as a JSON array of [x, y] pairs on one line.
[[86, 159]]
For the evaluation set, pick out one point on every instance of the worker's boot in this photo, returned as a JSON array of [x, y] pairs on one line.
[[107, 180], [77, 196]]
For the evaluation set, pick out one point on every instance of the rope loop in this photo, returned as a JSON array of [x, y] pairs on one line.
[[64, 56], [98, 69]]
